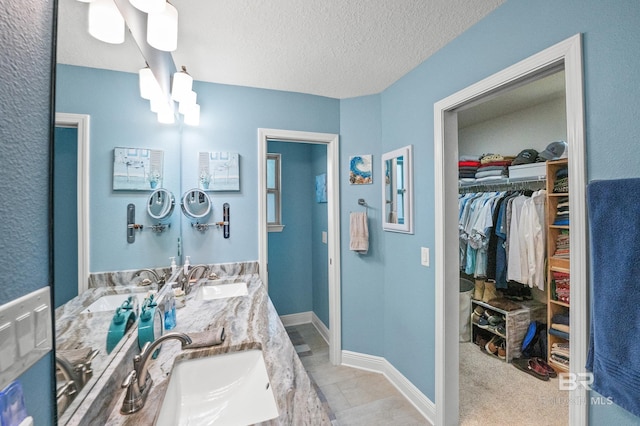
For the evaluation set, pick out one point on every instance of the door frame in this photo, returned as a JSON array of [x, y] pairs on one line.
[[333, 223], [81, 122], [568, 54]]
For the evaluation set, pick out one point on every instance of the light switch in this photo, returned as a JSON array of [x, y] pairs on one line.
[[424, 256], [24, 333], [324, 237], [7, 346], [43, 321]]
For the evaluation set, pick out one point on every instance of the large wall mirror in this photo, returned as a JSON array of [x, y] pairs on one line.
[[397, 190]]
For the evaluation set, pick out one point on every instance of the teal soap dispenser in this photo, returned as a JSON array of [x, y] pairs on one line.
[[150, 324]]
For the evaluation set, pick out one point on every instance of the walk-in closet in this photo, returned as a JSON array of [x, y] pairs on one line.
[[514, 255]]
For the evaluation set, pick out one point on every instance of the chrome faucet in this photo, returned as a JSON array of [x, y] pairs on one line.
[[185, 281], [138, 382], [158, 279]]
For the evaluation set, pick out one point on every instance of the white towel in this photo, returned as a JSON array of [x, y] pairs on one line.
[[359, 233]]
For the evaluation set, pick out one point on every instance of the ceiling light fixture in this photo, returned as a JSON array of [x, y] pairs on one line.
[[181, 85], [105, 21], [148, 6], [162, 29], [192, 117], [149, 87], [187, 102]]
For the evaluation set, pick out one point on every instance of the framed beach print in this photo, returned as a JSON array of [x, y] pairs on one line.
[[219, 171], [360, 170], [137, 169], [321, 188]]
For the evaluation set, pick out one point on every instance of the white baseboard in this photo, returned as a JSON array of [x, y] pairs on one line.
[[319, 325], [306, 318], [296, 319], [380, 365]]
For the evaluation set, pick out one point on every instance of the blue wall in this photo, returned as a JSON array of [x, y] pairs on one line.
[[363, 315], [65, 214], [230, 117], [387, 292], [511, 33], [120, 118], [319, 250], [298, 260], [290, 265], [26, 47]]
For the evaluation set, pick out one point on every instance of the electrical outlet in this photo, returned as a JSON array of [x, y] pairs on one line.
[[424, 256], [324, 237]]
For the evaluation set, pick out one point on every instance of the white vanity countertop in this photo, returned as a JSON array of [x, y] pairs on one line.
[[250, 322]]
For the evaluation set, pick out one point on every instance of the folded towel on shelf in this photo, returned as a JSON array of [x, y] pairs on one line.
[[358, 232], [561, 334], [561, 327], [614, 219]]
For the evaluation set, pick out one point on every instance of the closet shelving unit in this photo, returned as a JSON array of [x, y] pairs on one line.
[[555, 264], [517, 321]]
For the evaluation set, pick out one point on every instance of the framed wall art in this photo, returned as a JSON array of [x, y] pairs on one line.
[[137, 169], [219, 171], [360, 170]]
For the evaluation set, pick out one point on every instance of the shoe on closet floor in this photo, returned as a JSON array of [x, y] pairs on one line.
[[538, 370], [478, 292], [493, 345], [543, 364], [481, 341], [483, 322], [522, 364], [502, 350], [495, 319]]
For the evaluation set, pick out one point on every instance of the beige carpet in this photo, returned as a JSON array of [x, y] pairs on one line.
[[493, 392]]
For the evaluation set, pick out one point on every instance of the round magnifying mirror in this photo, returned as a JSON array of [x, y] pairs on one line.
[[196, 204], [160, 205]]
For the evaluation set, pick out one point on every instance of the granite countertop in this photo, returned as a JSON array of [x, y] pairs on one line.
[[77, 330], [250, 322]]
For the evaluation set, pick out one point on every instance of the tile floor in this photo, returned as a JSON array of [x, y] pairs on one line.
[[355, 397]]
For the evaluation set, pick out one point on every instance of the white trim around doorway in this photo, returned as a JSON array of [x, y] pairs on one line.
[[567, 54], [333, 223]]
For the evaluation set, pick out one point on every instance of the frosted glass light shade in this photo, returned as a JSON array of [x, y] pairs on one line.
[[149, 6], [192, 117], [181, 85], [187, 102], [162, 29], [165, 116], [149, 87], [158, 104], [105, 21]]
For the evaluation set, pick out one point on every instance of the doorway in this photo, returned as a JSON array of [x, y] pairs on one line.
[[333, 219], [566, 54], [78, 125]]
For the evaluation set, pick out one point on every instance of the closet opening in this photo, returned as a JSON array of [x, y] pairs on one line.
[[497, 116]]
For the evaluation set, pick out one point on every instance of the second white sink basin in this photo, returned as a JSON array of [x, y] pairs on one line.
[[227, 389], [221, 291], [111, 302]]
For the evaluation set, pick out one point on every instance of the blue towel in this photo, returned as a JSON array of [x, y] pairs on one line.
[[614, 347]]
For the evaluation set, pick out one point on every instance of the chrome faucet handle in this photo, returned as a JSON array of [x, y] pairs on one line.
[[138, 382]]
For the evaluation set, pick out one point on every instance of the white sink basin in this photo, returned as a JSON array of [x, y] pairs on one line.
[[227, 389], [111, 302], [221, 291]]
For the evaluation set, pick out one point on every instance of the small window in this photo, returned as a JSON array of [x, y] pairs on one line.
[[274, 198]]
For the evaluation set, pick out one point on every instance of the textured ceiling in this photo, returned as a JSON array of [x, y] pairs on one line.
[[334, 48]]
